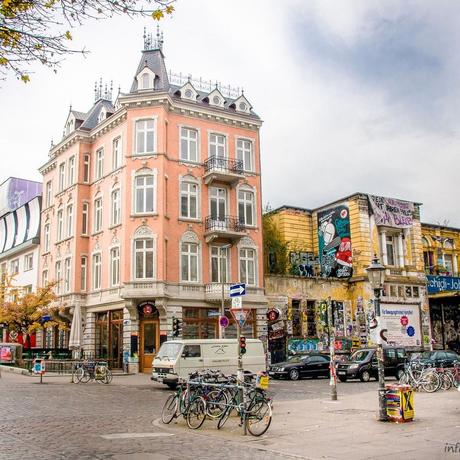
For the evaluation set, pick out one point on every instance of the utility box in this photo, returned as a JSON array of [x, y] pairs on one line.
[[399, 403]]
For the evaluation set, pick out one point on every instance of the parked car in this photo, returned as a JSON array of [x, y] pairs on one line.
[[296, 367], [363, 364], [439, 358]]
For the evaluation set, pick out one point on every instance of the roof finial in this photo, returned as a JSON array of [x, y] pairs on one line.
[[95, 90], [70, 107], [52, 144]]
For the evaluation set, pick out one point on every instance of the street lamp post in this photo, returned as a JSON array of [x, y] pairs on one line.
[[376, 275], [222, 303]]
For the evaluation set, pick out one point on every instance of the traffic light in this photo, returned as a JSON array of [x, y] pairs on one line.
[[242, 345], [176, 327]]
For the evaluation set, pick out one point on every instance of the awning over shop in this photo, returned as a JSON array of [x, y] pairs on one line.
[[443, 294]]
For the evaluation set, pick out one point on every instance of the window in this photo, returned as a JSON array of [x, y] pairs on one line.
[[144, 194], [217, 146], [71, 171], [84, 218], [69, 232], [86, 168], [97, 271], [218, 203], [200, 323], [391, 250], [83, 272], [143, 258], [192, 351], [115, 208], [28, 262], [27, 289], [244, 153], [189, 262], [97, 215], [246, 207], [189, 200], [60, 225], [46, 238], [57, 273], [67, 280], [99, 171], [248, 266], [145, 130], [145, 81], [48, 194], [114, 266], [219, 264], [44, 278], [448, 263], [116, 153], [188, 144], [14, 267], [61, 177]]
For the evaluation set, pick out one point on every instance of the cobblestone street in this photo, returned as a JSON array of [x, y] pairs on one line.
[[120, 421]]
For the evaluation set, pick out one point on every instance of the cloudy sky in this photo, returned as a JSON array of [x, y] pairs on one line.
[[355, 95]]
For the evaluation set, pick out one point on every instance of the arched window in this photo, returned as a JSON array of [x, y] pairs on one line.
[[145, 81], [144, 253], [190, 258], [247, 253], [115, 207], [246, 206]]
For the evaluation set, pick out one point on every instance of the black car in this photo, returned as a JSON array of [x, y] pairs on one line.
[[363, 364], [314, 365], [439, 358]]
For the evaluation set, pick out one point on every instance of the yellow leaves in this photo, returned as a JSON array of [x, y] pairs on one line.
[[68, 36], [3, 61], [25, 78], [157, 15], [169, 9]]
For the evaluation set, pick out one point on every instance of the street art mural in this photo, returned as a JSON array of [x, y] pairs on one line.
[[335, 242], [303, 264]]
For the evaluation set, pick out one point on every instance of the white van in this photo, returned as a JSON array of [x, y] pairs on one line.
[[178, 358]]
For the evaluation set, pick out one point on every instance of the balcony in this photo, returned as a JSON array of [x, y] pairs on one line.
[[143, 289], [213, 292], [223, 170], [228, 227]]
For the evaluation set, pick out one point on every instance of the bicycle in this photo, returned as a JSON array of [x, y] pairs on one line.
[[418, 376], [92, 370]]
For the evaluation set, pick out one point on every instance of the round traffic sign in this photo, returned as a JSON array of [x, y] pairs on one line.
[[404, 320], [223, 321], [410, 331]]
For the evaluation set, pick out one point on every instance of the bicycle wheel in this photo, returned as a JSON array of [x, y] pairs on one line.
[[259, 419], [100, 374], [404, 379], [196, 413], [169, 409], [86, 376], [224, 417], [430, 382], [216, 403], [78, 375]]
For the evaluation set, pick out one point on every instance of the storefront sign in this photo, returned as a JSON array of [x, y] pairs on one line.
[[147, 308], [408, 335], [442, 283], [391, 212], [302, 345]]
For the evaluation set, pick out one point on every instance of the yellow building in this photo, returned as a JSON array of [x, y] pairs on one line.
[[329, 249], [441, 252]]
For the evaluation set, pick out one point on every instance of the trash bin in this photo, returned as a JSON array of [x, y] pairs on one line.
[[400, 403]]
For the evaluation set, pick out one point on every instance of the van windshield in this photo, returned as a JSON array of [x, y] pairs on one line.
[[169, 350], [359, 355]]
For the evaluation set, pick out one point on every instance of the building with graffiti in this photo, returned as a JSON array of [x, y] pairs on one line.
[[329, 250]]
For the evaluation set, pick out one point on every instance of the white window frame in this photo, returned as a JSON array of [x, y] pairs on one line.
[[115, 207], [187, 258], [115, 266], [241, 152], [185, 135], [244, 202], [96, 271], [86, 168], [14, 266], [60, 224], [116, 153], [98, 211], [46, 237], [29, 261], [67, 274], [394, 245], [71, 170], [217, 145], [58, 274], [49, 193], [215, 252], [61, 175], [243, 258], [83, 273], [144, 250], [145, 173], [69, 219], [99, 164], [44, 277], [189, 195], [214, 194], [137, 129]]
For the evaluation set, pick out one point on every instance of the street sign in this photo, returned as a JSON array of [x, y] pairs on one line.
[[237, 290], [223, 321], [237, 302], [240, 315]]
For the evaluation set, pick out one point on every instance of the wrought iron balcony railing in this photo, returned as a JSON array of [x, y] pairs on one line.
[[223, 165], [224, 224]]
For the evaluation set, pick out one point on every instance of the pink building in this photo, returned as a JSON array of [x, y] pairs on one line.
[[150, 205]]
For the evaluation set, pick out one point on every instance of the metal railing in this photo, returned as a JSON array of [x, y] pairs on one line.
[[223, 165], [224, 224]]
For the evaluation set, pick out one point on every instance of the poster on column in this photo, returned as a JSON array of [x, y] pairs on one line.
[[401, 325], [335, 242]]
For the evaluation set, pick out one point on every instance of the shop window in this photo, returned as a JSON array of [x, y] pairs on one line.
[[109, 337], [296, 319], [311, 323]]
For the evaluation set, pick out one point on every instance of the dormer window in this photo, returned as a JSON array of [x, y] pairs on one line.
[[215, 98], [102, 116], [188, 92], [241, 105], [146, 79]]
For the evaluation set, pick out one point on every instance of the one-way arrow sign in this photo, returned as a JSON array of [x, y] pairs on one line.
[[237, 290]]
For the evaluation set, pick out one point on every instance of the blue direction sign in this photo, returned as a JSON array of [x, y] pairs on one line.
[[237, 290]]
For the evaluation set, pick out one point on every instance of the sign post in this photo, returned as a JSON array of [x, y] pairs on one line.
[[39, 368]]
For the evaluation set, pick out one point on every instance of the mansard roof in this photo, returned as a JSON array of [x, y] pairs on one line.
[[92, 117], [154, 60]]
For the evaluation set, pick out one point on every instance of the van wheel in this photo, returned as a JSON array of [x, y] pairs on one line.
[[172, 386], [294, 374], [365, 376], [343, 379]]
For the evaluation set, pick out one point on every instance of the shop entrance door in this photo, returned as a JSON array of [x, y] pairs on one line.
[[149, 343]]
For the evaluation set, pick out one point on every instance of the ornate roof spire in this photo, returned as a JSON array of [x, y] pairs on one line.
[[151, 43]]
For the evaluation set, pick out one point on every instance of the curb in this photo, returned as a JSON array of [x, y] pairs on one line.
[[16, 370]]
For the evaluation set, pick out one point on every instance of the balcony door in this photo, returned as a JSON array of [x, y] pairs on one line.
[[218, 203]]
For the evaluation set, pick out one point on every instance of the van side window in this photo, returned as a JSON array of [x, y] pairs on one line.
[[400, 353], [390, 352], [192, 351]]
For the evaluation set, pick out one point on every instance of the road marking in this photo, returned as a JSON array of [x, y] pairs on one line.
[[134, 435]]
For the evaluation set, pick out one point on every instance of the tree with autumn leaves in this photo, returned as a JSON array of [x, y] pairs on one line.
[[39, 30], [25, 313]]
